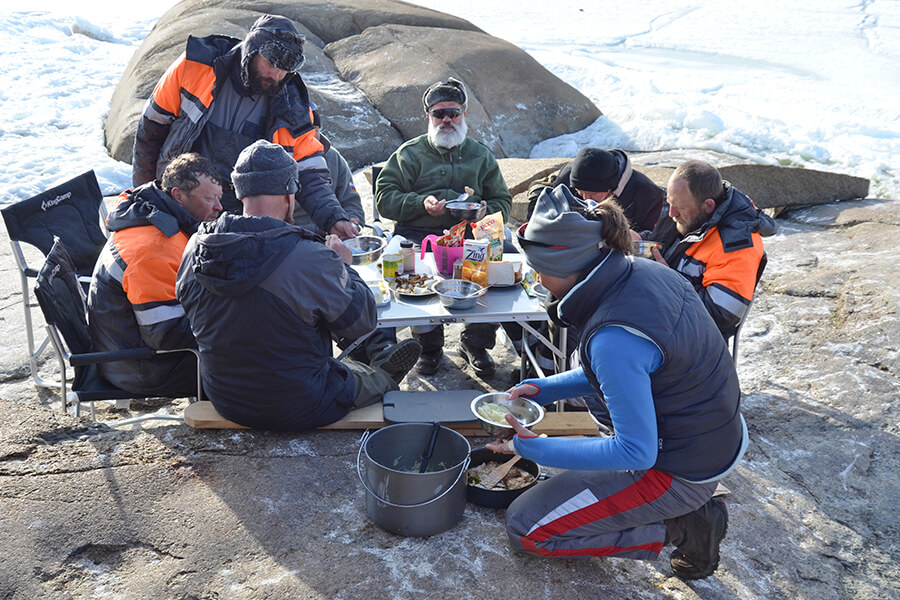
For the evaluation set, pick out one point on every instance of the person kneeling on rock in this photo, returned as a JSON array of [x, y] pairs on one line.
[[653, 350]]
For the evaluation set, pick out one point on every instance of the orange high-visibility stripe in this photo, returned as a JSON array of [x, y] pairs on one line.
[[734, 270], [153, 261], [305, 145], [194, 77]]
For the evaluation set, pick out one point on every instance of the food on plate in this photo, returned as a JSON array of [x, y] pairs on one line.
[[504, 273], [515, 479], [495, 413], [414, 284]]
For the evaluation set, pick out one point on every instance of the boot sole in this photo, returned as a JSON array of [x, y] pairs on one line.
[[401, 360]]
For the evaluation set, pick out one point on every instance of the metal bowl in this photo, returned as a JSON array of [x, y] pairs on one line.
[[366, 248], [458, 294], [467, 211], [498, 498], [643, 248], [528, 411]]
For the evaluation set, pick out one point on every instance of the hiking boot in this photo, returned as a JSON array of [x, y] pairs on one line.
[[477, 358], [397, 359], [429, 362], [697, 536]]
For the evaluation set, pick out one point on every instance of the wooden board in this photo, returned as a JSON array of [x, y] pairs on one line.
[[202, 415]]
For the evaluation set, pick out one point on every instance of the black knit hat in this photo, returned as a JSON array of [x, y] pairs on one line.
[[264, 168], [451, 90], [594, 170]]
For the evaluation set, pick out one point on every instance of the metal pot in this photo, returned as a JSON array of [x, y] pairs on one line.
[[366, 248], [498, 498], [401, 500], [458, 294]]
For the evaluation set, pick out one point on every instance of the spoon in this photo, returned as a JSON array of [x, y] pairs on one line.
[[494, 477]]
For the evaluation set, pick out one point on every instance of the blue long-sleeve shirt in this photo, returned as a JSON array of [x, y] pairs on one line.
[[622, 361]]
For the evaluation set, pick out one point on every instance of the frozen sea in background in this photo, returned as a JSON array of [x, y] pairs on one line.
[[790, 82]]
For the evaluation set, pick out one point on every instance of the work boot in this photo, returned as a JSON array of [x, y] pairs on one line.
[[429, 362], [396, 360], [478, 359], [696, 537]]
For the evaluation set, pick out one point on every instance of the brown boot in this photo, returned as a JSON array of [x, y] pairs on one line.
[[697, 536]]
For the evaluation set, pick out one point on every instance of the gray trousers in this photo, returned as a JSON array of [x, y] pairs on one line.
[[371, 383], [601, 513]]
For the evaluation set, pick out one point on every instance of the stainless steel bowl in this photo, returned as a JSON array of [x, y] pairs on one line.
[[527, 411], [458, 294], [643, 247], [467, 211], [366, 248]]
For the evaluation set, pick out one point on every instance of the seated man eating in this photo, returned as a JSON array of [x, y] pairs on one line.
[[265, 298]]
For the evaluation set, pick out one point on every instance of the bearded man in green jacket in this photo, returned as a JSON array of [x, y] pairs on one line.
[[419, 178]]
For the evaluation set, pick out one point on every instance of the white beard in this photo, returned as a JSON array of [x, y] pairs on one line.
[[448, 138]]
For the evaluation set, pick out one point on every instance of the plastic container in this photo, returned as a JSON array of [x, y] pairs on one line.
[[409, 257]]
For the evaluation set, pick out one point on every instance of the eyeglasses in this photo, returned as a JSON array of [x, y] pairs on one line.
[[285, 35], [441, 113], [524, 242]]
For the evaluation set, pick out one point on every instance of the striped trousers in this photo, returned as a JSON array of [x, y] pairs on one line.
[[601, 513]]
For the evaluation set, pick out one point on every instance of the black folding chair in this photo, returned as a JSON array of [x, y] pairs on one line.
[[61, 299], [74, 212]]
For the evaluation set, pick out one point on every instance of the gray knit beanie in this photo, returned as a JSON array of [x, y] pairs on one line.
[[452, 90], [264, 168], [557, 241]]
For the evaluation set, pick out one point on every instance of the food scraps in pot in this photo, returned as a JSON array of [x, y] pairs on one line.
[[515, 479]]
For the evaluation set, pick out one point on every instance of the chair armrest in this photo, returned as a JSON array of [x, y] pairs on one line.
[[90, 358]]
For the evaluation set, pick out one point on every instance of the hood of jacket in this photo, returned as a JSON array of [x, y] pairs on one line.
[[235, 253], [149, 205], [737, 218]]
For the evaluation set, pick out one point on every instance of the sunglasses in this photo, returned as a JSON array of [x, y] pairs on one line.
[[286, 35], [441, 113], [525, 243]]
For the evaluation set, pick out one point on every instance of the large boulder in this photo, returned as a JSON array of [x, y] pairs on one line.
[[365, 70]]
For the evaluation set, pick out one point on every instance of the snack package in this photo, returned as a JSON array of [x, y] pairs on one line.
[[454, 237], [491, 228], [475, 261]]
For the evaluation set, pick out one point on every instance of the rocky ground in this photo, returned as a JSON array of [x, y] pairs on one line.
[[166, 511]]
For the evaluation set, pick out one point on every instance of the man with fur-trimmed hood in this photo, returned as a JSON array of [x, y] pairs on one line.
[[223, 94]]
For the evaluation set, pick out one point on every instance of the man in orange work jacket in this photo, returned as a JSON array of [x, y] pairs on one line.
[[712, 235], [131, 302], [221, 95]]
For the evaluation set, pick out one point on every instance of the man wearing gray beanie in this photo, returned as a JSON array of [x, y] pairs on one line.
[[265, 299], [221, 95], [653, 352]]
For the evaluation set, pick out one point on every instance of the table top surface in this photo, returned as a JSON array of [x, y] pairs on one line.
[[499, 304]]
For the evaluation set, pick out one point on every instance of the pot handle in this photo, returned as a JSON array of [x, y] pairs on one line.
[[388, 502]]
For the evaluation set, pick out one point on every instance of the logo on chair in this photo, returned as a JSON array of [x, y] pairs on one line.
[[51, 203], [53, 273]]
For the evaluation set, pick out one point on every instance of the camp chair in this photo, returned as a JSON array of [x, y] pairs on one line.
[[737, 332], [61, 299], [73, 211]]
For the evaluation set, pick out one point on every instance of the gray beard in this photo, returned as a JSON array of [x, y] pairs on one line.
[[447, 139]]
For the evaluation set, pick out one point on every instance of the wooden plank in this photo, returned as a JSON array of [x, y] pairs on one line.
[[202, 415]]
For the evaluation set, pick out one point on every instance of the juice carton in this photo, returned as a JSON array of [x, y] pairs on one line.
[[475, 261]]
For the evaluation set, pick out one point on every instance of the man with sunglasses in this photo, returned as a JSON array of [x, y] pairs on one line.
[[416, 183], [223, 94]]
